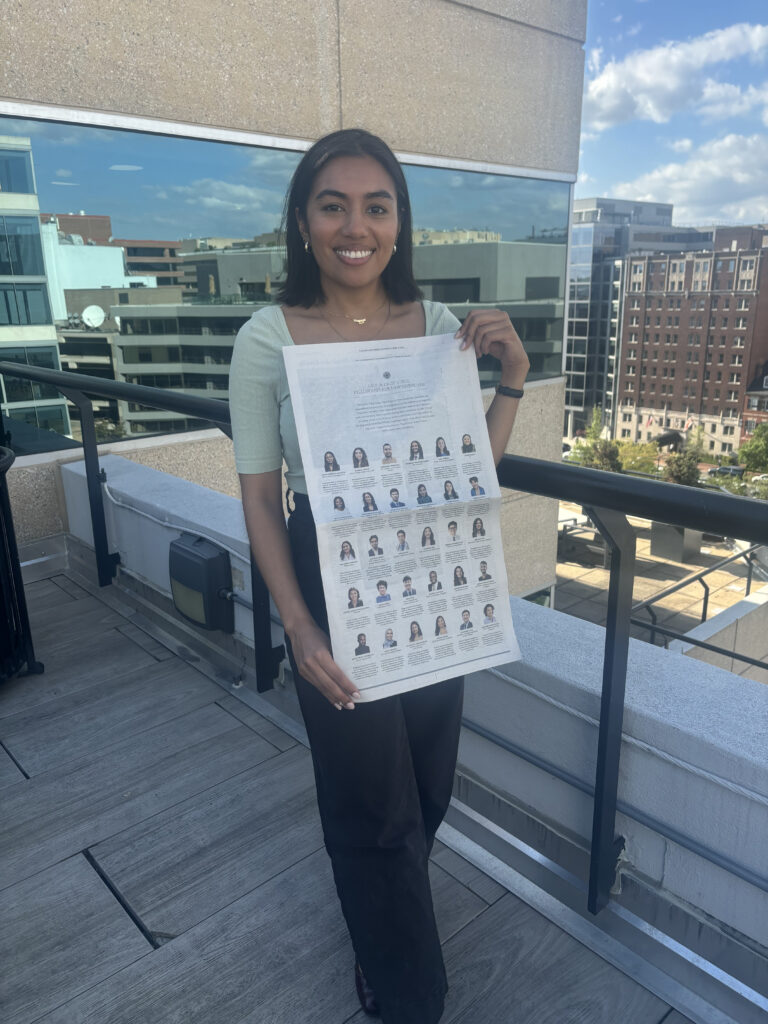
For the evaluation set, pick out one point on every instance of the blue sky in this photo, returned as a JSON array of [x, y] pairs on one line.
[[676, 107]]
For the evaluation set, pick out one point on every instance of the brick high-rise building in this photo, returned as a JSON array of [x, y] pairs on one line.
[[693, 336]]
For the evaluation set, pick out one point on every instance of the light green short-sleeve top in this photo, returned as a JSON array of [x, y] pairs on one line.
[[263, 426]]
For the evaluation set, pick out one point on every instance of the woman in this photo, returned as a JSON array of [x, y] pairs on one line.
[[441, 449], [338, 504], [459, 579], [347, 553], [427, 537], [359, 458], [488, 616], [417, 452], [369, 505], [449, 494], [354, 598], [478, 530], [440, 627], [422, 498], [349, 278], [416, 633], [466, 445], [330, 463]]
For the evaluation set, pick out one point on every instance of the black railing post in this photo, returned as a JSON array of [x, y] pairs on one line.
[[106, 562], [606, 847], [266, 656], [705, 602], [750, 560]]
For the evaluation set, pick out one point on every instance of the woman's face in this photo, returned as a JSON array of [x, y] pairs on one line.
[[478, 524], [466, 439], [351, 221], [448, 487], [488, 611], [367, 498], [414, 447], [414, 629], [440, 622], [358, 454], [422, 490], [441, 444], [346, 548], [329, 458], [338, 503], [354, 596], [428, 533], [458, 573]]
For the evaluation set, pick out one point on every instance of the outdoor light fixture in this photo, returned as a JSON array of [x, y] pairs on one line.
[[200, 574]]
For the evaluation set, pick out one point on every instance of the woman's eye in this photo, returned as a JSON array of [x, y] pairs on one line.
[[331, 207], [379, 211]]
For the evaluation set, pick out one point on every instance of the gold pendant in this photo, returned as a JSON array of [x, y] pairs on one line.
[[360, 322]]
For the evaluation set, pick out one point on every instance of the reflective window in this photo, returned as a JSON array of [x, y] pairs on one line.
[[24, 304], [20, 249], [15, 169]]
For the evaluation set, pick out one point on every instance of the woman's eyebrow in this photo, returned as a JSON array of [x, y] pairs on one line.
[[383, 194]]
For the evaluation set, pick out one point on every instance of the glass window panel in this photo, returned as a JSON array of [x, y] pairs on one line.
[[16, 171], [21, 253]]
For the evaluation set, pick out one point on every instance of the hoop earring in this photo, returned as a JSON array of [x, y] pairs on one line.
[[307, 246]]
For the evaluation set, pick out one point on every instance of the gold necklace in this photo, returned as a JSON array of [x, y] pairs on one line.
[[360, 320], [384, 324]]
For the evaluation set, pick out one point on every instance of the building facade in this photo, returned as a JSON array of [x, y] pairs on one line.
[[27, 333], [694, 336]]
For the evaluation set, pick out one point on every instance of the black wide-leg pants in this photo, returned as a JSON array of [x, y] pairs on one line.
[[384, 775]]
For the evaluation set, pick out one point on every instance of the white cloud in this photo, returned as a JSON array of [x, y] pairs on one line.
[[654, 84], [126, 167], [633, 31], [618, 18], [681, 145], [594, 59], [722, 100], [584, 178], [723, 181], [63, 173], [211, 193]]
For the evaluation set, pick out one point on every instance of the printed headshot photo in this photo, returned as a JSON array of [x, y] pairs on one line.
[[478, 530], [488, 616], [427, 537], [466, 445], [330, 464], [441, 448], [408, 590], [338, 504], [389, 640], [484, 574], [474, 487], [382, 595], [434, 582], [388, 457], [422, 498], [369, 505], [394, 499], [347, 553], [416, 633], [453, 532], [459, 579], [402, 543], [466, 622], [449, 492], [440, 627], [362, 645], [374, 549], [359, 459], [355, 601], [417, 452]]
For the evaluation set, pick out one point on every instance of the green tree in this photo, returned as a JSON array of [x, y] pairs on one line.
[[754, 454], [683, 467], [602, 455], [641, 458]]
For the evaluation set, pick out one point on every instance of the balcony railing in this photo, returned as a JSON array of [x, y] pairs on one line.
[[606, 499]]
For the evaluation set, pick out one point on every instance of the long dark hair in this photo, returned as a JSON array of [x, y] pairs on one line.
[[302, 285]]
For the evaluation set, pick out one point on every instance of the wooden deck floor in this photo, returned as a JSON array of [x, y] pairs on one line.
[[161, 860]]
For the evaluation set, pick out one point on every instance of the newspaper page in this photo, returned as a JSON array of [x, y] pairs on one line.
[[403, 489]]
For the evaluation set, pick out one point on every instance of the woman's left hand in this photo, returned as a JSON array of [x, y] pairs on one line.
[[491, 333]]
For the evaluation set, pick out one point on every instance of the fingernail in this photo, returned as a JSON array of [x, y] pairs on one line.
[[350, 706], [337, 705], [356, 694]]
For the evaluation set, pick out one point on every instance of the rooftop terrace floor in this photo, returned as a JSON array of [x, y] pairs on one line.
[[161, 858]]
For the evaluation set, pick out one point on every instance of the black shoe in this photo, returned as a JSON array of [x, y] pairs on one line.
[[365, 993]]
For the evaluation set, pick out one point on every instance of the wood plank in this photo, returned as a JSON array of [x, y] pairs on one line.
[[487, 888], [54, 815], [145, 641], [280, 954], [72, 621], [9, 770], [86, 721], [63, 582], [44, 596], [63, 931], [512, 964], [180, 867], [87, 663], [455, 906], [675, 1018], [257, 722]]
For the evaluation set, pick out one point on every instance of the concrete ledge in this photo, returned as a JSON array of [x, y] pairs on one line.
[[743, 627]]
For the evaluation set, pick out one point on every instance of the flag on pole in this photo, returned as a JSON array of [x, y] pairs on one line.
[[688, 424], [649, 421]]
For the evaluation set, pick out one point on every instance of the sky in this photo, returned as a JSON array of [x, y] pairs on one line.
[[676, 107]]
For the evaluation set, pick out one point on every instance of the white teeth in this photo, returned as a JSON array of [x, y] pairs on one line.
[[355, 254]]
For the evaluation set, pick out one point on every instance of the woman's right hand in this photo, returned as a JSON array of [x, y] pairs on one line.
[[312, 653]]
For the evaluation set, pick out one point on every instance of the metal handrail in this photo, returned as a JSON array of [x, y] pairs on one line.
[[606, 498]]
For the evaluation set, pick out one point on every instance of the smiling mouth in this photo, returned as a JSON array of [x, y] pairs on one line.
[[354, 254]]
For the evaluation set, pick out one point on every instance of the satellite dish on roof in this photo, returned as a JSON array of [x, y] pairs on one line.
[[93, 316], [117, 322]]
